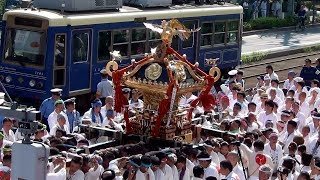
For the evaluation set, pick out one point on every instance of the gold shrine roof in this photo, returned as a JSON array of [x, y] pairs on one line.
[[152, 74]]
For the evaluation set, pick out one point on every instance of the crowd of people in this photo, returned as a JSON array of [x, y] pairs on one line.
[[273, 133]]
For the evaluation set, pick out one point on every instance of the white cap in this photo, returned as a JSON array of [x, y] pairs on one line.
[[233, 72], [298, 79], [56, 90], [266, 77]]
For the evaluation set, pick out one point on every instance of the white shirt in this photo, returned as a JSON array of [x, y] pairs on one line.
[[313, 129], [232, 176], [159, 175], [274, 76], [276, 155], [190, 166], [286, 139], [305, 108], [301, 120], [175, 172], [52, 119], [143, 176], [10, 136], [288, 84], [94, 174], [167, 171], [263, 117], [239, 171], [253, 167], [211, 170], [54, 129], [135, 104], [78, 175], [311, 147]]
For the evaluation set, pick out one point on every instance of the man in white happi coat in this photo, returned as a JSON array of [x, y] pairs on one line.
[[268, 114], [60, 124], [233, 157], [256, 157], [7, 130], [226, 170], [315, 124], [274, 150], [210, 169], [52, 118], [287, 137], [314, 145]]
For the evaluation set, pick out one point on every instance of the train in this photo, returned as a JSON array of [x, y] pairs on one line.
[[43, 49]]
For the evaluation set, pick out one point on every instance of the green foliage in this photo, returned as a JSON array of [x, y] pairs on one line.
[[268, 23], [312, 48], [253, 57]]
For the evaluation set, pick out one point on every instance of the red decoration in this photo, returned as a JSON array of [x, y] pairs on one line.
[[121, 102], [261, 159], [205, 97]]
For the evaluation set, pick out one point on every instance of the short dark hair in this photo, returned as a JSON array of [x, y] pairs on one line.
[[305, 174], [198, 171], [240, 72], [293, 123], [269, 103], [301, 83], [77, 160], [269, 67], [226, 165], [243, 94], [291, 91], [252, 104], [6, 119], [259, 145]]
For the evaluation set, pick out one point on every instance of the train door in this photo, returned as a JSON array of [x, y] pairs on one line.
[[80, 65], [189, 46]]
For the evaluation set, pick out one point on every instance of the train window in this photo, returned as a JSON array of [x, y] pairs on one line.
[[80, 50], [206, 28], [59, 77], [154, 35], [104, 45], [60, 50], [25, 48], [138, 41], [206, 34], [121, 36], [219, 32], [154, 39], [121, 41], [233, 29], [189, 42]]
